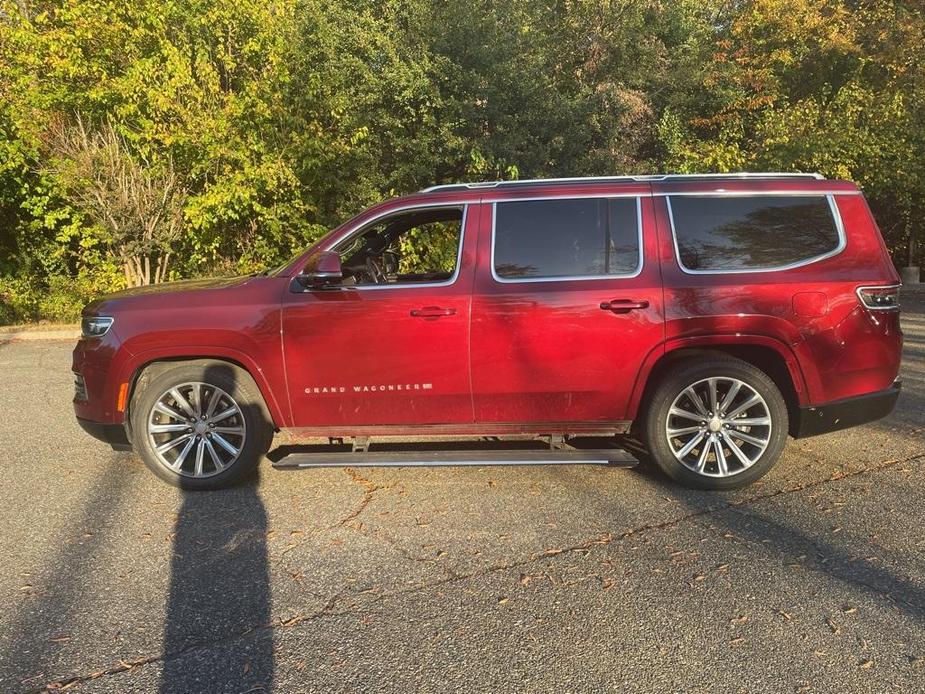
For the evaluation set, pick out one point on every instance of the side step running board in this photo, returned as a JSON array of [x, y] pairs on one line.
[[614, 457]]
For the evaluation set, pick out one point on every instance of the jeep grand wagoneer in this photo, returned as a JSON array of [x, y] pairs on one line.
[[710, 315]]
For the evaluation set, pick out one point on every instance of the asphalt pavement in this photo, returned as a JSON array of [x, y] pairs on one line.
[[555, 579]]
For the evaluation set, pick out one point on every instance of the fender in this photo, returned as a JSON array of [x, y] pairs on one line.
[[804, 394], [133, 364]]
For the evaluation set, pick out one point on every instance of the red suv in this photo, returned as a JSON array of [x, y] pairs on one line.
[[710, 315]]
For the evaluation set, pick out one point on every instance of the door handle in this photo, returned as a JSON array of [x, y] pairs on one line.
[[432, 312], [623, 305]]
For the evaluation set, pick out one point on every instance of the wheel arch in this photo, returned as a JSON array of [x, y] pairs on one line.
[[148, 368], [767, 354]]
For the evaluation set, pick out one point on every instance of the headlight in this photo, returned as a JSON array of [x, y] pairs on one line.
[[95, 327]]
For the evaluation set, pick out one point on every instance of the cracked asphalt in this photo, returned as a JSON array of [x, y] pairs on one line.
[[559, 579]]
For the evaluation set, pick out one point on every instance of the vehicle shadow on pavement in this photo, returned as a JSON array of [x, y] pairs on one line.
[[219, 602]]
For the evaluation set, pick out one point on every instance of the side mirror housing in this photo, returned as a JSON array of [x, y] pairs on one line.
[[322, 271]]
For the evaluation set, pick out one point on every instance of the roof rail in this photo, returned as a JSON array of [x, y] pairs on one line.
[[617, 179]]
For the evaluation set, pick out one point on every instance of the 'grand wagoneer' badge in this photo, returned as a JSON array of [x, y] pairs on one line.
[[329, 390]]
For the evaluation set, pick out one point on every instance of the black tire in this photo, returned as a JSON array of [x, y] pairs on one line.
[[655, 421], [254, 418]]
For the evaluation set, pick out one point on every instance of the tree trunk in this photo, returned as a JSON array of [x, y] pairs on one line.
[[142, 270], [138, 272], [160, 268]]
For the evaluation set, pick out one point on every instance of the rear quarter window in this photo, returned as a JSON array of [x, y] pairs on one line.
[[752, 233], [566, 238]]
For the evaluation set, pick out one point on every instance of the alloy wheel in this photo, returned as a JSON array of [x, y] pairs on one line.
[[196, 429], [718, 426]]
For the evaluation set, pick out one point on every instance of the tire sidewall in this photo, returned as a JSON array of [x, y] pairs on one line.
[[258, 429], [672, 385]]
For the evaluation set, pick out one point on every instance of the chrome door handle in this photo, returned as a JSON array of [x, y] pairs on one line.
[[623, 305], [432, 312]]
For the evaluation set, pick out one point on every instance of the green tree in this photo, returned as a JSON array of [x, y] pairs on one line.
[[801, 85], [282, 117], [139, 207]]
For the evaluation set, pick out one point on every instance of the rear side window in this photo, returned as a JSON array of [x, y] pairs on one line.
[[762, 232], [549, 239]]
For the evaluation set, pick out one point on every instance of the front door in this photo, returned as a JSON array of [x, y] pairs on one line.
[[390, 345], [566, 306]]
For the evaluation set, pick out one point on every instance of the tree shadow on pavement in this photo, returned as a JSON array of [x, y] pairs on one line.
[[27, 648], [784, 540]]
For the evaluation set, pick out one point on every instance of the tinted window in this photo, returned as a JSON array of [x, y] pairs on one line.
[[566, 238], [749, 233]]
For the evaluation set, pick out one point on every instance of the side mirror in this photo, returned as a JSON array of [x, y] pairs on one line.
[[322, 271]]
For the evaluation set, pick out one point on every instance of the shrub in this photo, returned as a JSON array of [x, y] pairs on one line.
[[19, 300], [59, 299]]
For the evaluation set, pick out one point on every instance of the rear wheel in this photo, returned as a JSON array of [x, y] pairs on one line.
[[716, 424], [201, 425]]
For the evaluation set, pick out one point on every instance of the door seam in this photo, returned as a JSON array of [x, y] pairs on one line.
[[472, 276]]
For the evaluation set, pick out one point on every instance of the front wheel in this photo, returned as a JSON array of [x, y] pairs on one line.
[[201, 425], [716, 424]]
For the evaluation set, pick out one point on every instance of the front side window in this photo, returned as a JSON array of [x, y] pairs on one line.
[[762, 232], [549, 239], [415, 247]]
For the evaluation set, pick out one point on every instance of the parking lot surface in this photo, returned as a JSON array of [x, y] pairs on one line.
[[539, 579]]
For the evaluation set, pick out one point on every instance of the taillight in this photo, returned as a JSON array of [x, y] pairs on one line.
[[879, 298]]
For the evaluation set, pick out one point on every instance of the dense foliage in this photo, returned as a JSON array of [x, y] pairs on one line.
[[170, 138]]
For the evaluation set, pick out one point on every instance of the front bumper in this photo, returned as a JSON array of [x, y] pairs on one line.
[[113, 434], [841, 414], [95, 363]]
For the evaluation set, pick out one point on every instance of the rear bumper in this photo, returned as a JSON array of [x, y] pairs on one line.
[[113, 434], [842, 414]]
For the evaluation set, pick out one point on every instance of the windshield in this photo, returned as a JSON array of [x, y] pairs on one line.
[[273, 272]]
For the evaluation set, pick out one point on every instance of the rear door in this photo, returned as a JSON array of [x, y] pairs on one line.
[[566, 306]]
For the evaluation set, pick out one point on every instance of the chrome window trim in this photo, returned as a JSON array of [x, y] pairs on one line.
[[836, 216], [858, 291], [464, 205], [467, 202], [568, 278]]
